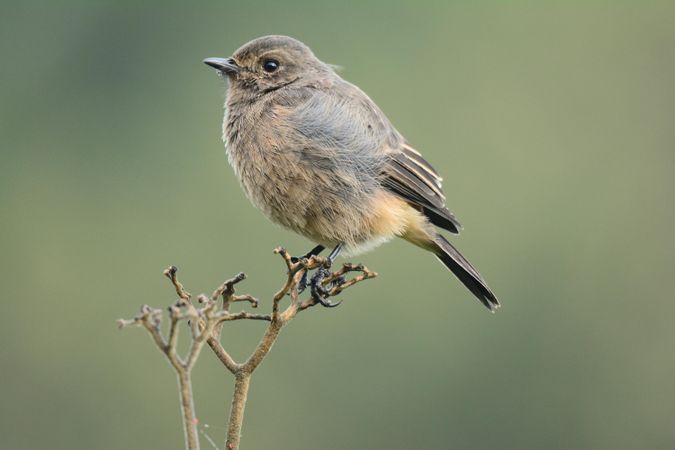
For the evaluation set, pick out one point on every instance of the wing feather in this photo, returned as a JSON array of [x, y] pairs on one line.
[[408, 175], [344, 130]]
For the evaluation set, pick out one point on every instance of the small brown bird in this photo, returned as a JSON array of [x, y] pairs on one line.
[[316, 155]]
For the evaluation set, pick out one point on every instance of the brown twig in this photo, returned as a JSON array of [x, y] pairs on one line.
[[206, 322]]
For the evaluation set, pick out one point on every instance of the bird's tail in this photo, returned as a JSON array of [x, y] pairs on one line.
[[467, 274]]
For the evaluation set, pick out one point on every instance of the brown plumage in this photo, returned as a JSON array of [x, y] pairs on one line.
[[316, 155]]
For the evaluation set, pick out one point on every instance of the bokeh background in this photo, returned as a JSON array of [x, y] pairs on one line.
[[553, 124]]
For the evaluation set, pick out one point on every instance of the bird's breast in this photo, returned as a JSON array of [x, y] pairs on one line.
[[271, 177], [308, 189]]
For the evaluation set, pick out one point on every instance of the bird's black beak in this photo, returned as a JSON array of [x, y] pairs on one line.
[[224, 65]]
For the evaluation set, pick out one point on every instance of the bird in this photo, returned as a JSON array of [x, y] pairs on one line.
[[316, 155]]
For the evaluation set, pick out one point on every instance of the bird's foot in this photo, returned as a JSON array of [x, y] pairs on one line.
[[338, 281], [320, 293], [302, 284]]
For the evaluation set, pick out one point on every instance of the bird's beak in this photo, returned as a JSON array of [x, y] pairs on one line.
[[224, 65]]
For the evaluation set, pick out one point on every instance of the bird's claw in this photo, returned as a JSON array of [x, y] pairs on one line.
[[337, 282], [302, 284], [320, 293]]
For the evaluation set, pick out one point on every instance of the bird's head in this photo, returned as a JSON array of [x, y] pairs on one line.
[[269, 63]]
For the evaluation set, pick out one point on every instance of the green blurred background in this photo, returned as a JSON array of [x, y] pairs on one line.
[[553, 124]]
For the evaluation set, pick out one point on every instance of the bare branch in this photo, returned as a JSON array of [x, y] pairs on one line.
[[245, 315], [170, 273], [222, 355], [206, 320], [245, 298], [226, 291]]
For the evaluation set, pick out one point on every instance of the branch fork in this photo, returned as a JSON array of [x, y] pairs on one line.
[[206, 320]]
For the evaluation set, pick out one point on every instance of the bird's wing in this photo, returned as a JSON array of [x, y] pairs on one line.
[[408, 175], [347, 130]]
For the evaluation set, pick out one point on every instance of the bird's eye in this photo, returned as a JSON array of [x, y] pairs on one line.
[[270, 65]]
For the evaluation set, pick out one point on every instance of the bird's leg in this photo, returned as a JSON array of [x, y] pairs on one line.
[[332, 257], [336, 252], [320, 293], [302, 285], [313, 252]]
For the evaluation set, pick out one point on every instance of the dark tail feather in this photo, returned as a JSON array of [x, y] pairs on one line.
[[467, 274]]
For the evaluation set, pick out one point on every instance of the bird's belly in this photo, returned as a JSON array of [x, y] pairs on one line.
[[276, 186], [328, 219], [327, 207]]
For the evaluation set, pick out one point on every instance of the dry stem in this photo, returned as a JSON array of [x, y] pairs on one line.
[[206, 322]]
